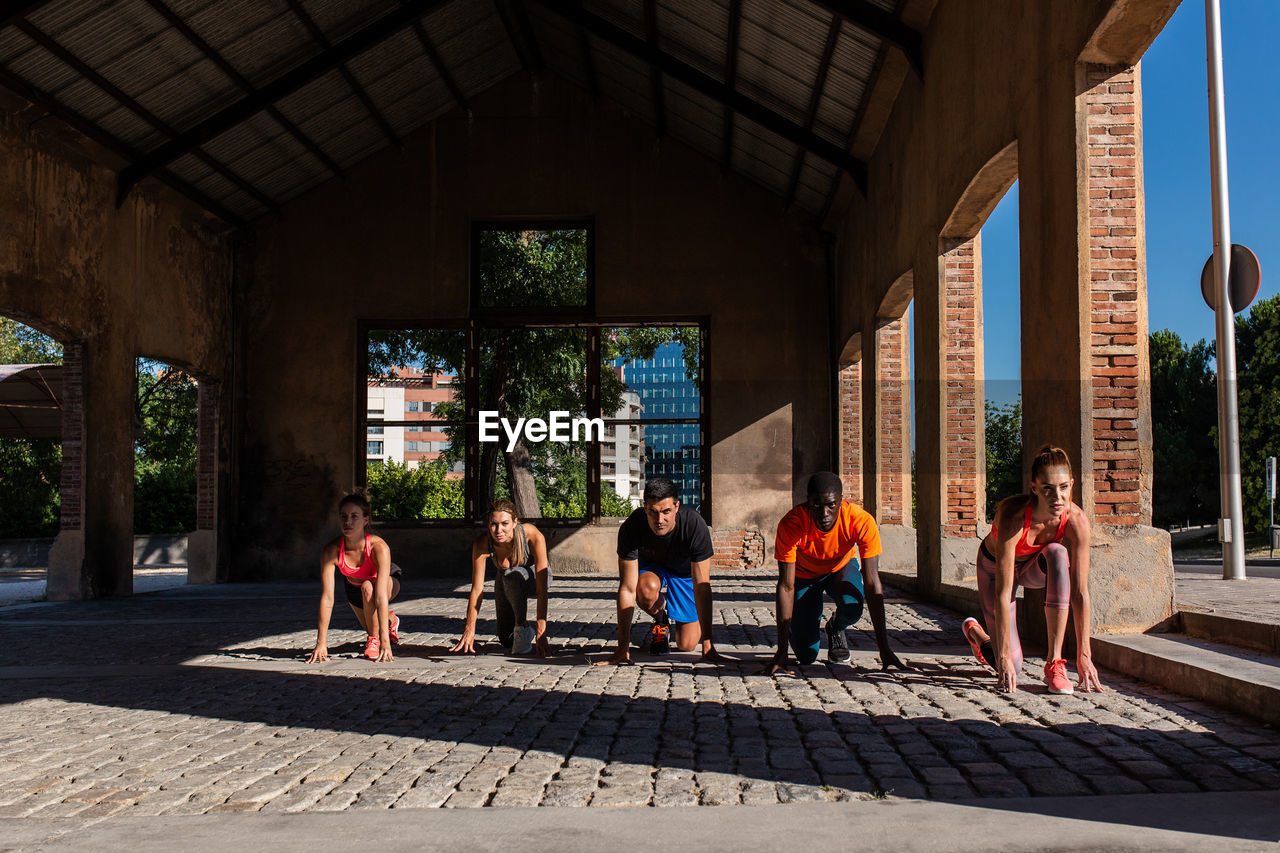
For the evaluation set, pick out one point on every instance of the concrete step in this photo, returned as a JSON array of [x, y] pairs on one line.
[[1262, 636], [1222, 674]]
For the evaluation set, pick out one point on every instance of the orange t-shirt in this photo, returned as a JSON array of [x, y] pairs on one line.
[[816, 553]]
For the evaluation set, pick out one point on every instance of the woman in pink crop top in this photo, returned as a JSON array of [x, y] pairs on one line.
[[1038, 541], [369, 579]]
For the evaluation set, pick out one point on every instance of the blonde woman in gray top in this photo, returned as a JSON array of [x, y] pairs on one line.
[[518, 553]]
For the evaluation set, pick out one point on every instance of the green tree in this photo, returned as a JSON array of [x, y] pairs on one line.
[[1258, 377], [398, 491], [166, 435], [30, 468], [1004, 453], [21, 344], [1184, 420]]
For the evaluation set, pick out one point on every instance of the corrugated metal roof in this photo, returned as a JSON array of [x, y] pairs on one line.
[[140, 52]]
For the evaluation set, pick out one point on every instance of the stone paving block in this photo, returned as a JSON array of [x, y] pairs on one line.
[[436, 730]]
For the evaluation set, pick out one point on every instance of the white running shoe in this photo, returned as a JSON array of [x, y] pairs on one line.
[[522, 640]]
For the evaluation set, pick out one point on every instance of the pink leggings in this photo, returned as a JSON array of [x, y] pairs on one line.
[[1050, 570]]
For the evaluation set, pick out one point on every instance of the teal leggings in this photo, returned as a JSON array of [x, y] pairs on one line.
[[845, 589]]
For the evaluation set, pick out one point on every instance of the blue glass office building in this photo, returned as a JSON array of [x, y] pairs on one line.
[[668, 391]]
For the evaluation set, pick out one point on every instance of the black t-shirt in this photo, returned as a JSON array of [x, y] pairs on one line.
[[689, 542]]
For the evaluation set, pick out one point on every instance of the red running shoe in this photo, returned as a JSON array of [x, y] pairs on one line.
[[1055, 676], [966, 626], [393, 622], [373, 647]]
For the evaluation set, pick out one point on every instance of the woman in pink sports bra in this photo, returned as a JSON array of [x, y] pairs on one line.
[[1037, 541], [368, 577]]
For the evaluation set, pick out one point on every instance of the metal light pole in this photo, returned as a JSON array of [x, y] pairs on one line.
[[1231, 523]]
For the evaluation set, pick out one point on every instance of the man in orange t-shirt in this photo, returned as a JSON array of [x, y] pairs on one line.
[[820, 546]]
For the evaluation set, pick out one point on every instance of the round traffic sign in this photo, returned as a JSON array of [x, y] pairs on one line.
[[1243, 284]]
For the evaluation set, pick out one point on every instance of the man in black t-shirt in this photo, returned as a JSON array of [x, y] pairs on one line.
[[665, 545]]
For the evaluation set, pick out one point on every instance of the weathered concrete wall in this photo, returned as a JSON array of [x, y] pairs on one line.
[[674, 237], [150, 278]]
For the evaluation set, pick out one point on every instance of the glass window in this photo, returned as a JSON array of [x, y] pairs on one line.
[[518, 266], [418, 480], [653, 380]]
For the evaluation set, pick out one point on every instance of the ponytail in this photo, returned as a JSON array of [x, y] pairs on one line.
[[1049, 456]]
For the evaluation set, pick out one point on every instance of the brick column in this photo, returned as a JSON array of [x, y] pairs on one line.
[[65, 578], [964, 445], [202, 543], [1118, 353], [849, 465], [894, 424], [207, 458]]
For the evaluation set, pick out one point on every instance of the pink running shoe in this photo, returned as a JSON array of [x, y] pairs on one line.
[[1055, 676], [373, 647], [393, 622], [966, 626]]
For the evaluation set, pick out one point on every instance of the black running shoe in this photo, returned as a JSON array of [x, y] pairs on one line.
[[659, 639], [660, 634], [837, 643]]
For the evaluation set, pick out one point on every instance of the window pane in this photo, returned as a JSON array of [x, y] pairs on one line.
[[533, 268], [425, 479], [411, 378], [621, 470], [533, 374], [674, 451], [651, 372]]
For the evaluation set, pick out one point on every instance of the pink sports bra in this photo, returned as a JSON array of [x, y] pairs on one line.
[[1022, 549], [368, 570]]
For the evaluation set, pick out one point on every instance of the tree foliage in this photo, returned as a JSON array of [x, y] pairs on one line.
[[166, 435], [1258, 374], [529, 372], [1004, 453], [398, 491], [30, 468], [1184, 420], [21, 344]]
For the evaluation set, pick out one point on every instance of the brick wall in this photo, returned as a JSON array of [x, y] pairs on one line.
[[737, 550], [1116, 318], [72, 480], [207, 458], [849, 465], [964, 426], [895, 424]]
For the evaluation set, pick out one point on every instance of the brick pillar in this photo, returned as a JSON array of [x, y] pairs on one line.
[[1118, 352], [964, 441], [65, 578], [894, 424], [849, 465], [202, 555]]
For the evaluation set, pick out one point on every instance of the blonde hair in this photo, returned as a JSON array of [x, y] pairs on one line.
[[517, 540]]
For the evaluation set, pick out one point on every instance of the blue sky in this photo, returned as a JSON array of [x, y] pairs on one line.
[[1176, 171]]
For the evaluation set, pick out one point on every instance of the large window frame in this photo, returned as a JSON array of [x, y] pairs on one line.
[[482, 319], [474, 329]]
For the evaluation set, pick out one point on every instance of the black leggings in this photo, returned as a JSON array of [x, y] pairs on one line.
[[512, 589]]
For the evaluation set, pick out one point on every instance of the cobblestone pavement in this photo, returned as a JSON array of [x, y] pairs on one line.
[[198, 700]]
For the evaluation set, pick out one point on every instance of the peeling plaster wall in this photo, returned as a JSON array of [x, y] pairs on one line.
[[150, 278], [674, 236]]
